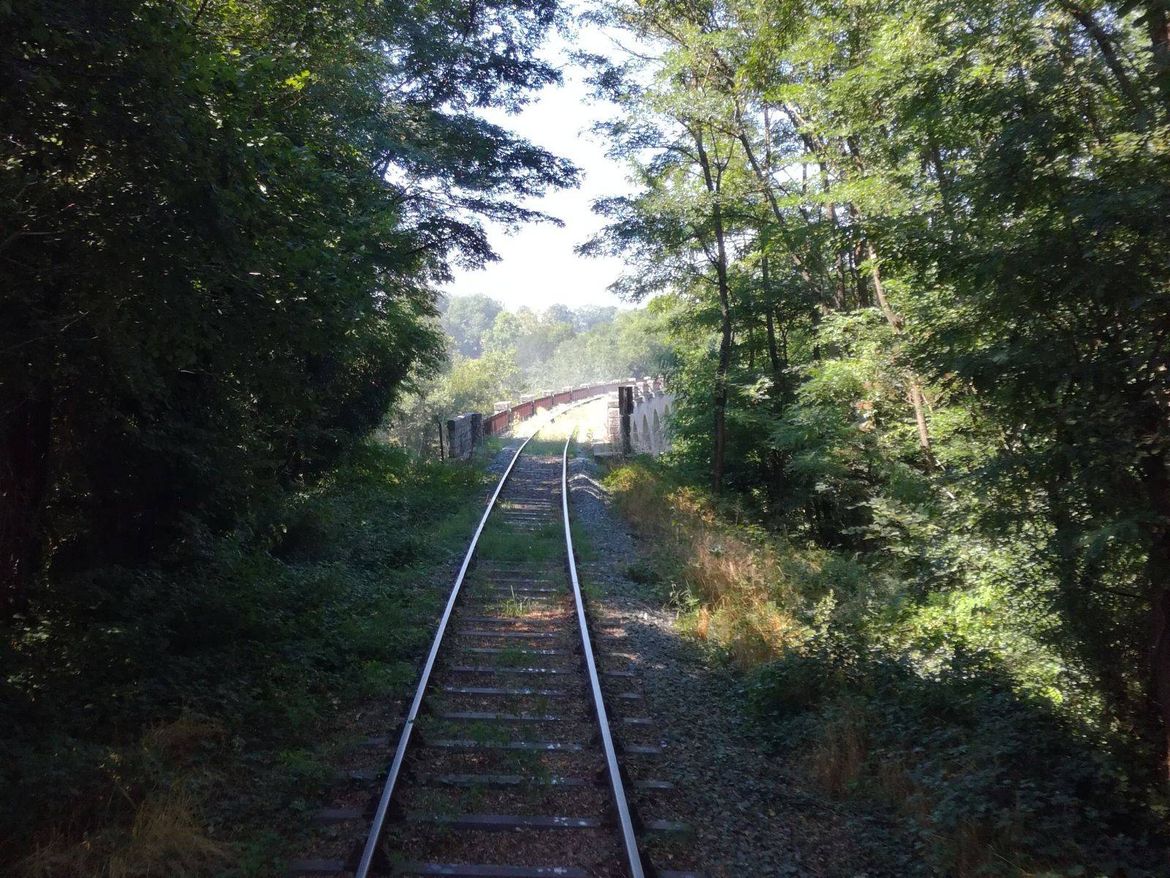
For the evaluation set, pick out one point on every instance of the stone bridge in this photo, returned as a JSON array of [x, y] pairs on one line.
[[639, 426], [649, 406]]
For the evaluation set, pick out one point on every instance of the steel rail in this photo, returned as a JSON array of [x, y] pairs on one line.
[[369, 851], [625, 820]]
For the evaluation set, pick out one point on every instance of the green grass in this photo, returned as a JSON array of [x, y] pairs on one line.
[[492, 446], [910, 709], [528, 763], [583, 545], [512, 607], [198, 692], [501, 542], [590, 591], [538, 447], [513, 657]]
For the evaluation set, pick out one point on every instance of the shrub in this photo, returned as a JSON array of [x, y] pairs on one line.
[[999, 783], [129, 699]]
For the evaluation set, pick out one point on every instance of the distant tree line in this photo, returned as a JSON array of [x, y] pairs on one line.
[[496, 355]]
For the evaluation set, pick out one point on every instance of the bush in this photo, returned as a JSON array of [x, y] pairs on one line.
[[231, 654], [995, 782]]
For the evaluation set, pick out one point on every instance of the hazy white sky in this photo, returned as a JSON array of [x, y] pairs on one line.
[[537, 264]]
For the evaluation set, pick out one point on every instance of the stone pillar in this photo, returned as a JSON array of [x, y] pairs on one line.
[[625, 410]]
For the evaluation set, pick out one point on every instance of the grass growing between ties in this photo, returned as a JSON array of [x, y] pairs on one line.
[[936, 706], [169, 725], [505, 543], [513, 657], [547, 444], [513, 607]]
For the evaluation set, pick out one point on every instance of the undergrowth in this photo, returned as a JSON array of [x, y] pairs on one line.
[[161, 720], [931, 704]]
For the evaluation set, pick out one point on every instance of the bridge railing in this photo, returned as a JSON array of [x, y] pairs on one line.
[[508, 413], [466, 432]]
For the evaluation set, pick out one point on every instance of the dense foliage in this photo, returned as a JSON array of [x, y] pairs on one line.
[[221, 224], [167, 720], [941, 707], [912, 288], [914, 261]]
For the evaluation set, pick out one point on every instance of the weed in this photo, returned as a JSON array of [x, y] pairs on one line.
[[917, 704], [839, 755], [376, 677], [513, 607], [182, 739], [528, 763], [583, 545], [590, 592], [486, 733], [501, 542], [305, 769], [513, 657], [166, 838], [734, 587], [642, 572]]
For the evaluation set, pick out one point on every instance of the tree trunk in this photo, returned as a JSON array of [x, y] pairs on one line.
[[770, 323], [1157, 482], [918, 401], [765, 182], [724, 366], [1108, 51], [24, 461], [1158, 25], [916, 397], [724, 354], [864, 300], [940, 173]]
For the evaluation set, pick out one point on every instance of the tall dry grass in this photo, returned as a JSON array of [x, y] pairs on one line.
[[162, 832], [738, 585], [838, 759], [742, 590], [167, 838]]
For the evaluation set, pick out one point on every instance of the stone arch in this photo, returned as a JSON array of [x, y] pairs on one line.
[[656, 432], [647, 439]]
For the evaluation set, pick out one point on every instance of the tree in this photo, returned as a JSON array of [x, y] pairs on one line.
[[222, 224], [467, 319], [860, 205], [584, 319], [679, 230], [554, 314], [469, 385]]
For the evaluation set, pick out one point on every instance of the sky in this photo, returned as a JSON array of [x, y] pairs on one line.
[[537, 266]]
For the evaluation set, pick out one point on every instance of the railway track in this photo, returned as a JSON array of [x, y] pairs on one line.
[[508, 762]]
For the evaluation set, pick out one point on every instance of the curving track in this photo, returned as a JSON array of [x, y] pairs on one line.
[[506, 765]]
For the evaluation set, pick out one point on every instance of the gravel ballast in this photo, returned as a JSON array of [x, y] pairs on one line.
[[750, 813]]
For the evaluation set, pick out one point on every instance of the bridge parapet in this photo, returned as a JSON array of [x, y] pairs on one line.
[[508, 412], [464, 435], [639, 416], [649, 406]]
